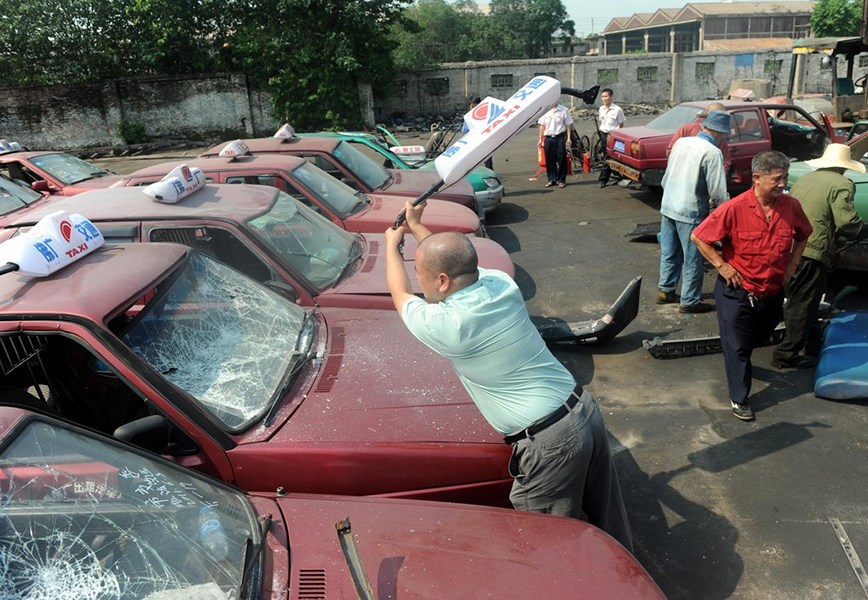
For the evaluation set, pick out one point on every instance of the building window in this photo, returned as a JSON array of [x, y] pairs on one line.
[[772, 66], [646, 73], [607, 76], [438, 86], [704, 70], [863, 60], [502, 81], [402, 87]]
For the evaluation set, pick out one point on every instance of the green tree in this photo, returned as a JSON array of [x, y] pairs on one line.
[[434, 31], [533, 24], [837, 18], [312, 55]]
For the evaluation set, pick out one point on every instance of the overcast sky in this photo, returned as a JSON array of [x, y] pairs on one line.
[[592, 16]]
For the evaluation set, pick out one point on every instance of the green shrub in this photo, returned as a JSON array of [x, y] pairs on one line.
[[132, 133]]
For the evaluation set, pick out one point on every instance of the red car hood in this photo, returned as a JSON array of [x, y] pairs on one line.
[[379, 385], [370, 278], [414, 183], [439, 550], [438, 216], [97, 183]]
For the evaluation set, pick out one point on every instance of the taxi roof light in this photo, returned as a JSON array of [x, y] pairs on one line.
[[178, 183], [57, 240], [234, 149], [4, 145], [285, 131]]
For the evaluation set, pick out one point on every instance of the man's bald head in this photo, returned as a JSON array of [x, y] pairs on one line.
[[450, 253]]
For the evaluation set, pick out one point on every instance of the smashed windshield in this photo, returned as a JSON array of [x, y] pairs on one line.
[[14, 196], [672, 119], [331, 191], [67, 169], [221, 337], [83, 518], [312, 246], [361, 166]]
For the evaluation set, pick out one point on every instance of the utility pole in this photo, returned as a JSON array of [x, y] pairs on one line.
[[865, 21]]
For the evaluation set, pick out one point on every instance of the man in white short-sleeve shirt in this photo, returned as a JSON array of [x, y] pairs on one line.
[[476, 318]]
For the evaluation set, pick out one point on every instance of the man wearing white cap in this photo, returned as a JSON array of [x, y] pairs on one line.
[[826, 197]]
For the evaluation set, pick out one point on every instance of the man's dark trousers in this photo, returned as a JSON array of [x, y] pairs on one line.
[[743, 328], [555, 150], [803, 292]]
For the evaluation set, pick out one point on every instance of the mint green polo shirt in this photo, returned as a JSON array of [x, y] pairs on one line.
[[485, 332]]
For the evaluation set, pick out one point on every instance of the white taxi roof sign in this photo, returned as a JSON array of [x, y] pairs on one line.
[[4, 145], [57, 240], [285, 131], [178, 183], [403, 150], [234, 149]]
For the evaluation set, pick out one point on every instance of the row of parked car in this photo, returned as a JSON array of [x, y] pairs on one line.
[[192, 418]]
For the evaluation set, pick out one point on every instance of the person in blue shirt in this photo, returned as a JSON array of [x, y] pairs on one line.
[[476, 318], [694, 178]]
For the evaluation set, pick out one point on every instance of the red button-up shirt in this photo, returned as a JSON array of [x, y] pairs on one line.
[[757, 248]]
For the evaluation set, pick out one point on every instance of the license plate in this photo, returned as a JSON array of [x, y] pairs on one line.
[[619, 146]]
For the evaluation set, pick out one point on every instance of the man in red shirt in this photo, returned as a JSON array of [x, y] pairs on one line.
[[762, 233]]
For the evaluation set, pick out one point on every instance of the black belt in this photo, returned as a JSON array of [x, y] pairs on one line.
[[556, 415]]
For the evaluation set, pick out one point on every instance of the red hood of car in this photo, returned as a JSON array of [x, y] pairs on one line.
[[370, 278], [97, 183], [440, 550], [378, 384], [438, 216], [414, 183]]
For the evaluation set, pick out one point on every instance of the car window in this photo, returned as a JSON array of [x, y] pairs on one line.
[[211, 331], [746, 127], [14, 196], [67, 169], [270, 180], [19, 173], [86, 518], [362, 167], [340, 198], [672, 119], [794, 135], [314, 248], [380, 156]]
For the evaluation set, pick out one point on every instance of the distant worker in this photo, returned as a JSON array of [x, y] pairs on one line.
[[610, 117], [489, 163], [554, 138], [827, 199], [694, 127], [477, 319], [762, 234], [693, 182]]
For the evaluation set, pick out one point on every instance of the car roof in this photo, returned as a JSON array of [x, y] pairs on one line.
[[731, 104], [219, 163], [93, 287], [272, 144], [214, 201], [28, 153]]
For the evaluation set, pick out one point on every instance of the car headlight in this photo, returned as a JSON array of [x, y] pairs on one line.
[[492, 182]]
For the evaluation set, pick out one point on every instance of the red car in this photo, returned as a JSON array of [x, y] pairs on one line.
[[342, 160], [348, 208], [87, 517], [166, 348], [54, 172], [264, 233], [639, 153]]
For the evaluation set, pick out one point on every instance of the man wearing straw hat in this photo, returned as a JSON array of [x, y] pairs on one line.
[[826, 197]]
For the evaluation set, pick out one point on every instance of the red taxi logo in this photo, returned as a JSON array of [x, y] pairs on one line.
[[66, 230], [480, 112], [74, 251]]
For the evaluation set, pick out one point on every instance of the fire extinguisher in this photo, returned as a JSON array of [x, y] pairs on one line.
[[586, 162]]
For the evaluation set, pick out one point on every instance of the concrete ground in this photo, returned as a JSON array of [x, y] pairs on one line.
[[720, 508]]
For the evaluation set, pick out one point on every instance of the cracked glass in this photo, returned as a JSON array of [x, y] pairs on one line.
[[221, 337], [84, 518]]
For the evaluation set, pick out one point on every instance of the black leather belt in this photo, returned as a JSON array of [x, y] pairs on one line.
[[556, 415]]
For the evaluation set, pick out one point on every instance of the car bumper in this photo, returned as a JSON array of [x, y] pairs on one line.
[[649, 177], [489, 199]]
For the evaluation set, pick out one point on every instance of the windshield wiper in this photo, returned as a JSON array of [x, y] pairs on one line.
[[364, 201], [251, 558], [303, 352], [354, 561]]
